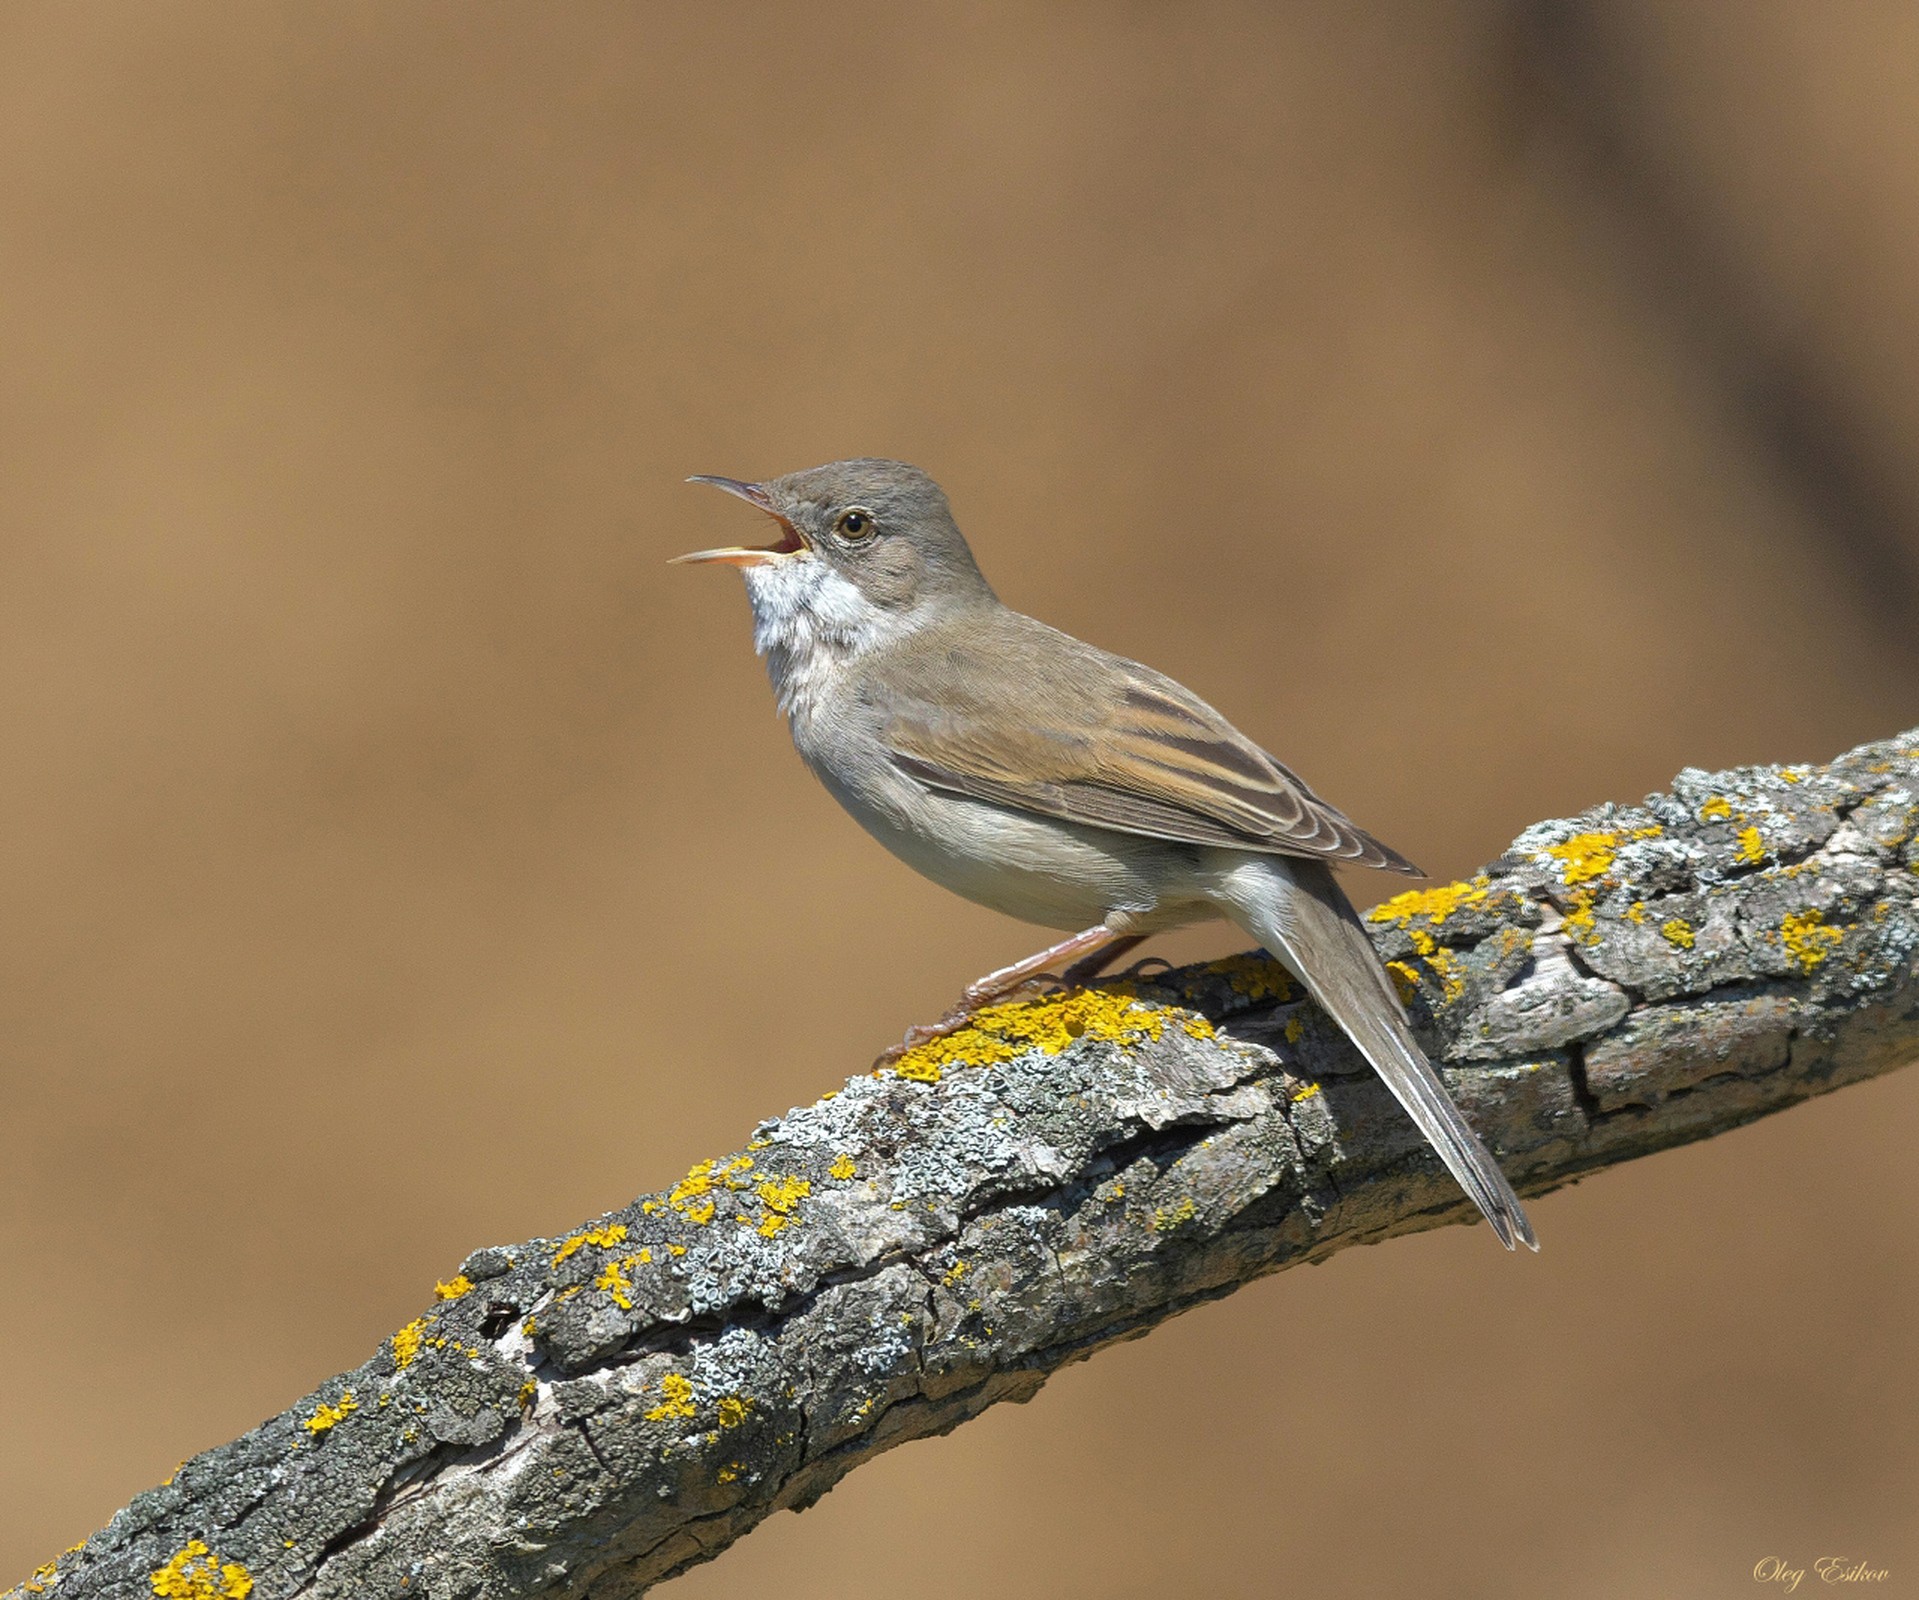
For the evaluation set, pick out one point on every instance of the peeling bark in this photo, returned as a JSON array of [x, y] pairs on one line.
[[588, 1415]]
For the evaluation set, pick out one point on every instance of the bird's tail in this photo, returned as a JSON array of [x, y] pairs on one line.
[[1296, 909]]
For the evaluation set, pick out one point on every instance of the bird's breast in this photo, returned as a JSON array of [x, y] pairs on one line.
[[823, 641]]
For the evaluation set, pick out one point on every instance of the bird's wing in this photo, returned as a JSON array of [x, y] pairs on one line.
[[1106, 742]]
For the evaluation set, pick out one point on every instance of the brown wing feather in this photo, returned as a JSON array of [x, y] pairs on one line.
[[1111, 744]]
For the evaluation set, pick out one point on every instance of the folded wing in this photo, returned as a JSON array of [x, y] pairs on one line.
[[1112, 744]]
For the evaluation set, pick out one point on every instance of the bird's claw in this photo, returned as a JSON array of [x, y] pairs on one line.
[[924, 1033], [1040, 987]]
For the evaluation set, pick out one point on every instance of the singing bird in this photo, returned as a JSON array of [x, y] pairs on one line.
[[1056, 782]]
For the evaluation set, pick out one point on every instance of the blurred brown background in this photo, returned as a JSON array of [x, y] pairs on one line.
[[1494, 407]]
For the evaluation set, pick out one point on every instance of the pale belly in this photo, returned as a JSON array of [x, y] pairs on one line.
[[1056, 874]]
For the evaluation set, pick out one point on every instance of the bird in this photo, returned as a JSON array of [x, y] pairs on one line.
[[1054, 781]]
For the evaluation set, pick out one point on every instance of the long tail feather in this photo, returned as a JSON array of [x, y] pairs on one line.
[[1296, 909]]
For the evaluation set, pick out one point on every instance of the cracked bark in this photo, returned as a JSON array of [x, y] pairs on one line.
[[588, 1415]]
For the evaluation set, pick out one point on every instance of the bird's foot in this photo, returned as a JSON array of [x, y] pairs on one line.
[[1038, 987], [922, 1033]]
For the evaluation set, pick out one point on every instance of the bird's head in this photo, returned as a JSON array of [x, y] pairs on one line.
[[881, 527]]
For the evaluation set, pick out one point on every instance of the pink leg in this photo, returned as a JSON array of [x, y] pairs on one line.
[[997, 985], [1084, 945]]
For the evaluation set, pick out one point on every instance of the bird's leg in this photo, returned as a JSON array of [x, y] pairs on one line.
[[1096, 942], [998, 985], [1094, 962]]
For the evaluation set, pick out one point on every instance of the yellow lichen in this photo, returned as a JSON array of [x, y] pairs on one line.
[[917, 1067], [677, 1402], [733, 1410], [954, 1273], [614, 1282], [698, 1180], [1444, 963], [529, 1392], [1787, 775], [783, 1194], [1585, 856], [1678, 931], [1752, 848], [1807, 939], [406, 1343], [1445, 967], [1636, 912], [1305, 1093], [1717, 809], [601, 1238], [1006, 1031], [700, 1213], [1405, 980], [843, 1168], [1579, 920], [196, 1573], [331, 1416], [1435, 904], [452, 1291], [1167, 1218], [1295, 1030]]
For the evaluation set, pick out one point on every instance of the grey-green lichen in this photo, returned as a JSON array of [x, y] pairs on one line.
[[588, 1414]]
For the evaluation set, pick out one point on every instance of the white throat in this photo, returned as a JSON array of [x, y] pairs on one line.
[[808, 620]]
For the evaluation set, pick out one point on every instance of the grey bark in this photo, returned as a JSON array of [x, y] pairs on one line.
[[585, 1416]]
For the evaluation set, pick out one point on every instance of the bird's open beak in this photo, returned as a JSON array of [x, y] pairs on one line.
[[788, 543]]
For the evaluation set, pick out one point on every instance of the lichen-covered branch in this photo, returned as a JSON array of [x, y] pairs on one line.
[[585, 1416]]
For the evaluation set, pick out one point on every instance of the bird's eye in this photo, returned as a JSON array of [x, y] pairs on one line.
[[854, 525]]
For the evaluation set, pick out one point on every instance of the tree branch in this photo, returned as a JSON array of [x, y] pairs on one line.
[[586, 1416]]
